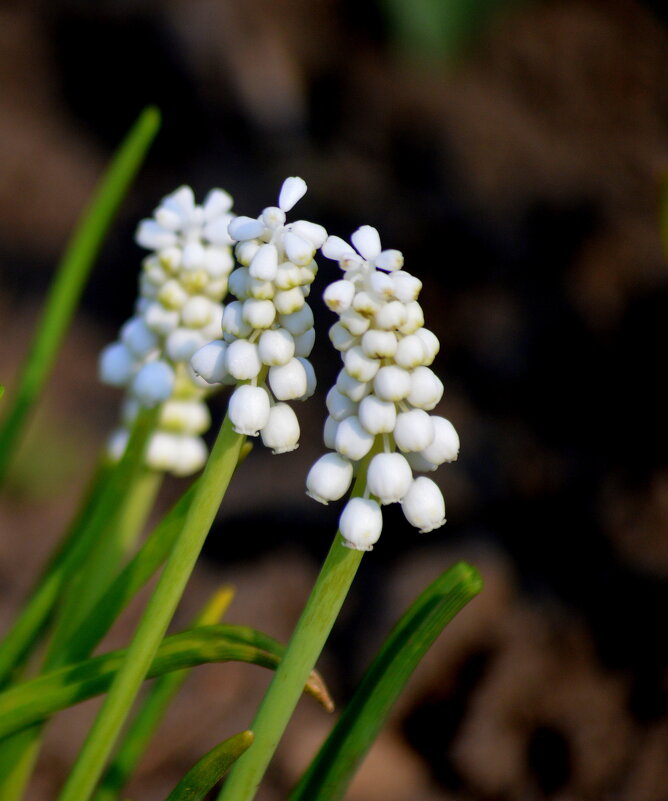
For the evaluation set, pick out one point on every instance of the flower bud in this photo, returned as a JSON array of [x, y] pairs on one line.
[[379, 344], [390, 316], [297, 322], [377, 416], [423, 505], [389, 477], [161, 452], [354, 322], [153, 383], [159, 319], [248, 409], [352, 439], [259, 313], [414, 430], [276, 346], [351, 387], [264, 264], [311, 381], [233, 320], [191, 455], [392, 383], [299, 251], [405, 287], [389, 260], [367, 242], [196, 312], [414, 318], [136, 336], [426, 388], [431, 343], [116, 365], [341, 338], [242, 228], [360, 366], [281, 433], [329, 478], [338, 405], [329, 432], [289, 301], [288, 381], [411, 352], [445, 445], [182, 343], [293, 190], [242, 360], [339, 295], [304, 343], [209, 362], [361, 523]]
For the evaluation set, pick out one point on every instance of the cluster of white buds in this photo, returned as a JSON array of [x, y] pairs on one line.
[[267, 332], [179, 309], [382, 395]]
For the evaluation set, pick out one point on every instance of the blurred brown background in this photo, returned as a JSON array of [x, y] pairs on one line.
[[515, 152]]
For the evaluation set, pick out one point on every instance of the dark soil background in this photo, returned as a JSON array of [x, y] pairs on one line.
[[515, 152]]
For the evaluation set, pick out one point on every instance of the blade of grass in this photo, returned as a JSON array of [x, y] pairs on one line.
[[157, 616], [71, 276], [37, 699], [211, 768], [330, 773], [152, 710]]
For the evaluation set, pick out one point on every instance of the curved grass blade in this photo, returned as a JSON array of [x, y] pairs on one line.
[[33, 701], [152, 710], [211, 768], [332, 770], [71, 275]]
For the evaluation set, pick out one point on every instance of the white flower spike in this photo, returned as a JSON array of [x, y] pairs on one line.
[[383, 393]]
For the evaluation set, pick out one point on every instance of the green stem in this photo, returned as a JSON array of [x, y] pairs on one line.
[[156, 618], [306, 644], [71, 276]]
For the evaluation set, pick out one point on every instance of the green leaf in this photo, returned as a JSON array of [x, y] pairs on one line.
[[71, 276], [332, 770], [36, 700], [211, 768]]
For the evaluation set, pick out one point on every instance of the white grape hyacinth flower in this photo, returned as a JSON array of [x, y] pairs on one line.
[[267, 331], [179, 310], [383, 394]]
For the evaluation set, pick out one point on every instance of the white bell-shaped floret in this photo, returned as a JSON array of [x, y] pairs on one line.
[[182, 343], [389, 477], [366, 303], [293, 190], [361, 523], [339, 405], [209, 362], [411, 352], [352, 439], [311, 380], [329, 478], [259, 313], [233, 320], [136, 336], [264, 263], [276, 346], [193, 256], [381, 284], [405, 287], [339, 295], [337, 249], [341, 338], [298, 322], [377, 416], [173, 295], [423, 505], [304, 343], [159, 319], [185, 416], [191, 456], [360, 366], [445, 445], [354, 322], [152, 236], [310, 231], [162, 450], [196, 312], [351, 387], [288, 381], [248, 409], [116, 365], [431, 343], [261, 290], [216, 202], [218, 262], [414, 430], [392, 383], [379, 344], [367, 242], [243, 228], [244, 251], [281, 433], [273, 217], [239, 282], [390, 316], [289, 301], [329, 432], [153, 383], [414, 318], [299, 251], [288, 276], [426, 389], [242, 360], [419, 463], [389, 260]]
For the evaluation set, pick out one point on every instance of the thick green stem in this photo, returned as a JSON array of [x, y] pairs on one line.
[[71, 276], [306, 644], [156, 618]]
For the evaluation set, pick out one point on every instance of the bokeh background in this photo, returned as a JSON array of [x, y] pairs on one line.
[[515, 151]]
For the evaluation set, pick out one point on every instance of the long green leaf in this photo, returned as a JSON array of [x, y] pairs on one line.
[[71, 276], [32, 701], [211, 768], [332, 770]]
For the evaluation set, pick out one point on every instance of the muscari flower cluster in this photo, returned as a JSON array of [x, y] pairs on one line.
[[179, 309], [385, 390], [267, 332]]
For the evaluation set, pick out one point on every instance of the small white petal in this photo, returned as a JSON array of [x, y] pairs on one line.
[[242, 360], [359, 365], [281, 433], [361, 523], [249, 409], [419, 463], [289, 301], [377, 416], [339, 295], [389, 477], [273, 217], [116, 365], [379, 344], [354, 322], [411, 352], [239, 282], [423, 505], [390, 316], [389, 260], [153, 383], [218, 261], [276, 346], [414, 319], [299, 251], [329, 478], [312, 232], [292, 190], [414, 430], [367, 242], [336, 248], [244, 251], [352, 439], [193, 256], [426, 389], [161, 451], [264, 264], [218, 231], [209, 362], [392, 383], [288, 276], [406, 287], [243, 228], [172, 295], [259, 313], [288, 381]]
